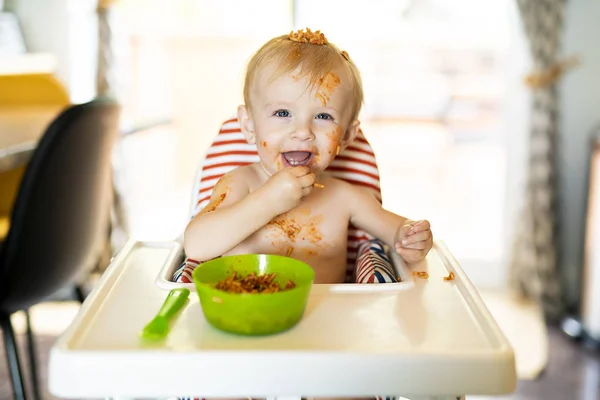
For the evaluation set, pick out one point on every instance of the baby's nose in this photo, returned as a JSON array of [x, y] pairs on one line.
[[303, 132]]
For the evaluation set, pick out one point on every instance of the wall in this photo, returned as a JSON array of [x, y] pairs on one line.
[[68, 29], [580, 101]]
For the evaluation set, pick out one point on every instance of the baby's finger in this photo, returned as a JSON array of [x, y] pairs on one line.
[[307, 180], [403, 231], [416, 246], [416, 237], [300, 171], [419, 226], [306, 191], [410, 255]]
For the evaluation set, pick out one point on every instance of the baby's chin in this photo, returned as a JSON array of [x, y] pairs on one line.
[[320, 164]]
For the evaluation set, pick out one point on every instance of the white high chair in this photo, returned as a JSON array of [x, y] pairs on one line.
[[428, 339]]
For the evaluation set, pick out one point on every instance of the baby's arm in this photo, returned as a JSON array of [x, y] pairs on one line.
[[232, 215], [234, 212], [412, 240]]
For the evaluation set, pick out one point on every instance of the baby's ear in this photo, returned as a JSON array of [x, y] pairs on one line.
[[246, 124], [351, 133]]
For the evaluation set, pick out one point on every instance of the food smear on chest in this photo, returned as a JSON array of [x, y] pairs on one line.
[[289, 226], [298, 229]]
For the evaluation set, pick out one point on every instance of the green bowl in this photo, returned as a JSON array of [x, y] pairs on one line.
[[253, 313]]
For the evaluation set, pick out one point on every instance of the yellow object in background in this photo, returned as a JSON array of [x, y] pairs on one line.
[[9, 181], [32, 89], [9, 185], [23, 90]]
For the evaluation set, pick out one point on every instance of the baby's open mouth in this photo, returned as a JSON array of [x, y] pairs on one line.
[[296, 158]]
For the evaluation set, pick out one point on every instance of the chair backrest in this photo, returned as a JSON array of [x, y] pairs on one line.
[[355, 164], [62, 210]]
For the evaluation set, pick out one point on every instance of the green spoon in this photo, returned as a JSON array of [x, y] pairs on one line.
[[158, 328]]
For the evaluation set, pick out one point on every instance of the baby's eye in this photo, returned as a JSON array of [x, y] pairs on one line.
[[282, 113], [323, 116]]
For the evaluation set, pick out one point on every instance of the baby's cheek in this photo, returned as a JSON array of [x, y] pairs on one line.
[[269, 156], [335, 135], [334, 138], [332, 147]]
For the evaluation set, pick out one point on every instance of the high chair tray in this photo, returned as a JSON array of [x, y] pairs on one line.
[[434, 337]]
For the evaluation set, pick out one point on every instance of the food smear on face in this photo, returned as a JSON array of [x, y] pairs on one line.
[[264, 144], [252, 283], [278, 165], [316, 158], [335, 137], [326, 87]]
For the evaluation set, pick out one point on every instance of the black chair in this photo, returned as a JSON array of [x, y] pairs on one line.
[[60, 218]]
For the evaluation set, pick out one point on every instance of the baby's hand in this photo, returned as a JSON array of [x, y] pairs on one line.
[[288, 186], [414, 240]]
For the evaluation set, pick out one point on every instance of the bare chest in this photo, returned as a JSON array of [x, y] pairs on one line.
[[309, 231]]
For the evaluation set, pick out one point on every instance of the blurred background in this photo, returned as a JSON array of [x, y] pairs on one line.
[[445, 107], [454, 125]]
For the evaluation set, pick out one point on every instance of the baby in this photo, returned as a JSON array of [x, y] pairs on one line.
[[302, 99]]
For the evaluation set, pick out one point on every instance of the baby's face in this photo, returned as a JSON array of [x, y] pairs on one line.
[[294, 125]]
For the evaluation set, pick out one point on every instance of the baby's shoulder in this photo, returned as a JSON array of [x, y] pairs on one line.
[[239, 174], [335, 191], [337, 185], [234, 183], [348, 191]]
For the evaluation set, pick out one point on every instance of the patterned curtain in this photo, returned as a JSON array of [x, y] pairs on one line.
[[533, 270], [106, 86], [105, 73]]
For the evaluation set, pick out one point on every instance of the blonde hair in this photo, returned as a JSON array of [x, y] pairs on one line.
[[314, 61]]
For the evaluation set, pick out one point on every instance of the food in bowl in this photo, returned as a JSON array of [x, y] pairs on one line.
[[259, 313], [252, 283]]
